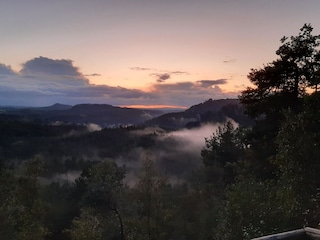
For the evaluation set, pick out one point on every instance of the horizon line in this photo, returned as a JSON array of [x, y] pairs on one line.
[[153, 106]]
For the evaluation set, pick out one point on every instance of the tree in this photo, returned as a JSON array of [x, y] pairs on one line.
[[253, 209], [223, 150], [256, 207], [298, 160], [222, 153], [145, 192], [62, 205], [278, 87], [87, 227], [103, 186], [155, 206], [278, 188], [282, 83], [22, 211]]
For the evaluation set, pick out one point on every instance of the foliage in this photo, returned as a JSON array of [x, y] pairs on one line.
[[222, 152], [62, 205], [103, 184], [298, 159], [281, 83], [283, 144], [21, 209], [254, 208], [86, 227], [280, 86]]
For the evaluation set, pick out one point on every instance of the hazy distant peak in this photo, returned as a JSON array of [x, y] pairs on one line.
[[56, 106]]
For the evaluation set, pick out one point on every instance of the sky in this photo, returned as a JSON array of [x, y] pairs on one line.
[[138, 53]]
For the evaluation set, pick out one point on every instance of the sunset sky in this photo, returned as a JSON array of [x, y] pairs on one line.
[[140, 52]]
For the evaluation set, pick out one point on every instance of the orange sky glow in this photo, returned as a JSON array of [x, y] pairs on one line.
[[153, 106]]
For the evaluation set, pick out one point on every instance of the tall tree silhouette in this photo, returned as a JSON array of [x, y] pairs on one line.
[[282, 83]]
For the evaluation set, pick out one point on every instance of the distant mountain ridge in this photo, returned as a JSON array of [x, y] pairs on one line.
[[102, 114], [211, 105], [107, 115]]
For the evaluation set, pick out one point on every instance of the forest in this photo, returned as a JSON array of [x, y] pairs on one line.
[[67, 182]]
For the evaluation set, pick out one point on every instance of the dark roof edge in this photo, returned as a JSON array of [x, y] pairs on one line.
[[284, 235]]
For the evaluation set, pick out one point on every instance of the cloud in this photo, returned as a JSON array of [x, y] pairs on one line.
[[189, 93], [157, 70], [210, 83], [179, 72], [181, 86], [161, 77], [43, 82], [92, 75], [43, 65], [142, 69], [165, 75], [231, 60], [6, 70]]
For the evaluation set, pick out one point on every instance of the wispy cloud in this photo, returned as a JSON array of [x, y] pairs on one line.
[[179, 72], [92, 75], [210, 83], [165, 75], [231, 60], [142, 69], [160, 75]]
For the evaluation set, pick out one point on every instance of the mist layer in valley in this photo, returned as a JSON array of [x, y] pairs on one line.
[[173, 142], [69, 149]]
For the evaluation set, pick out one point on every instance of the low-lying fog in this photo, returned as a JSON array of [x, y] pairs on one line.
[[175, 154]]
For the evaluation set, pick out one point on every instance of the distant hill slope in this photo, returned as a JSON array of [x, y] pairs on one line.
[[101, 114], [209, 111]]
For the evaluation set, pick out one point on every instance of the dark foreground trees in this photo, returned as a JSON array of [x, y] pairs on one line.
[[277, 182], [101, 216], [256, 205], [22, 212]]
